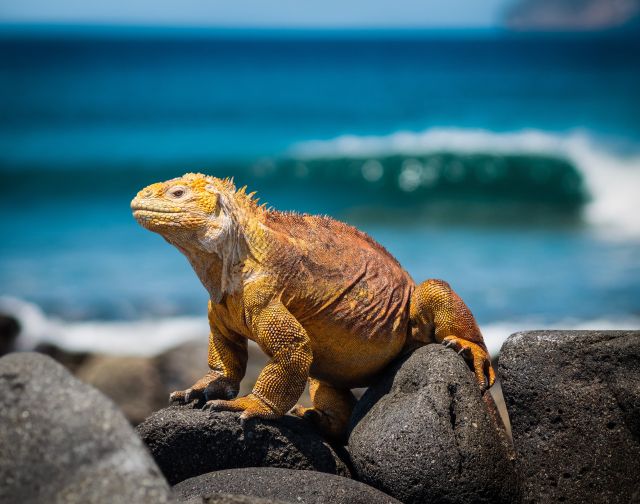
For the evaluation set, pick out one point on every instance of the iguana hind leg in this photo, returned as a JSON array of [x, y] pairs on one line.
[[331, 409], [437, 312]]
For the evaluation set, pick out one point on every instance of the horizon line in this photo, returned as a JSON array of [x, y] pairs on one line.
[[113, 28]]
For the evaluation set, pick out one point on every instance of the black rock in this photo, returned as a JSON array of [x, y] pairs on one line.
[[187, 442], [300, 487], [9, 330], [224, 498], [574, 402], [424, 433], [63, 441], [72, 360]]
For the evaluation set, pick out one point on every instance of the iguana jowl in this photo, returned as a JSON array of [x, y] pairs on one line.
[[323, 300]]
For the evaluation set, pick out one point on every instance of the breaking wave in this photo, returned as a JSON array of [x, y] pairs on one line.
[[572, 170]]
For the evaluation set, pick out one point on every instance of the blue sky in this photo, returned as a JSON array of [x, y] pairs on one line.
[[260, 13]]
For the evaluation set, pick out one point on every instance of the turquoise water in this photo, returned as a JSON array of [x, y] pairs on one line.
[[507, 165]]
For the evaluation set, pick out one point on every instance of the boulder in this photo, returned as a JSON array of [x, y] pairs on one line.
[[224, 498], [140, 385], [63, 441], [186, 442], [72, 360], [574, 402], [299, 487], [133, 383], [182, 365], [9, 330], [424, 433]]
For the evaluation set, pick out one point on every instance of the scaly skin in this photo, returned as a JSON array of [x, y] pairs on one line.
[[323, 300]]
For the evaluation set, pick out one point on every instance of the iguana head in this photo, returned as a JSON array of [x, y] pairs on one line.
[[186, 210]]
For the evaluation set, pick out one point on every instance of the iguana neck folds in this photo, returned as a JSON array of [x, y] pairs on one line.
[[226, 252]]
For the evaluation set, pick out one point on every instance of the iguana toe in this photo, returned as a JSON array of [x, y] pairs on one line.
[[250, 405], [476, 357], [181, 397], [211, 386]]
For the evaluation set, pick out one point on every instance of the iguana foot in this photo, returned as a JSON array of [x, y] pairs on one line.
[[476, 357], [331, 410], [250, 405], [211, 386], [329, 426]]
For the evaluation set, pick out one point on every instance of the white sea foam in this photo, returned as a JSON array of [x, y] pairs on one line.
[[150, 337], [139, 337], [612, 179]]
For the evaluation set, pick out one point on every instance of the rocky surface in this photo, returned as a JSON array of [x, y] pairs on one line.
[[574, 402], [424, 433], [187, 442], [300, 487], [224, 498], [63, 441]]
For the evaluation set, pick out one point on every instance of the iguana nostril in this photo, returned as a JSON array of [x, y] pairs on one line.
[[147, 193]]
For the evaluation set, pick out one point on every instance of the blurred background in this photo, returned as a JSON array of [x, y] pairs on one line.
[[493, 144]]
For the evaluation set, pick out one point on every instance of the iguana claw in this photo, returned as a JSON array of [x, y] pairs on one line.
[[250, 405], [212, 386], [476, 357]]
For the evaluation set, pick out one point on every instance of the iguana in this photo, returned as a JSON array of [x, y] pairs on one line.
[[323, 300]]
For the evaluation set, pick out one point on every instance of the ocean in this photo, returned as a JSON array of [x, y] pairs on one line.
[[506, 164]]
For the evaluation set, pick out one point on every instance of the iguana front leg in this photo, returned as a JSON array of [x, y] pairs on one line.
[[437, 311], [282, 381], [227, 360]]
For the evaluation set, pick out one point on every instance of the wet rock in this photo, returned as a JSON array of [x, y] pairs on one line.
[[574, 402], [187, 442], [63, 441], [424, 433], [300, 487]]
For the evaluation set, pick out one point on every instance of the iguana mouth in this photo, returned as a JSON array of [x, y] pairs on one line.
[[139, 209]]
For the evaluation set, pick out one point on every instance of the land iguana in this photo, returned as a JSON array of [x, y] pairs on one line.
[[323, 300]]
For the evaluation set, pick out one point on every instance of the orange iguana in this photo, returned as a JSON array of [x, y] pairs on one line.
[[323, 300]]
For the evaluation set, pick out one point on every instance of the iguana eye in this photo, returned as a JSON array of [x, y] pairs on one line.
[[176, 192]]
